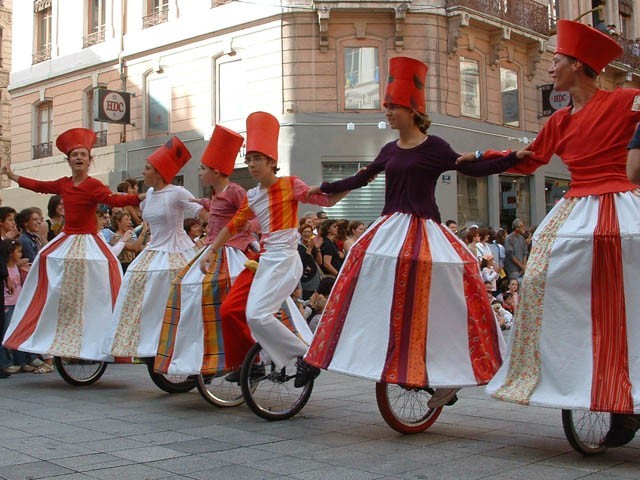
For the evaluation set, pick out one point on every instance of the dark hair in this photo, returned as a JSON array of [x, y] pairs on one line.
[[449, 222], [52, 206], [304, 226], [5, 212], [8, 247], [24, 216], [343, 227], [484, 263], [117, 217], [325, 285], [325, 226], [189, 223], [506, 296], [588, 71], [483, 232], [132, 181], [123, 187]]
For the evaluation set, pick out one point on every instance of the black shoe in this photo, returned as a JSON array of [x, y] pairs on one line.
[[4, 374], [233, 377], [622, 430], [304, 373]]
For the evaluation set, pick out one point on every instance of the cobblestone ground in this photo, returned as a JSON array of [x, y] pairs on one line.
[[123, 428]]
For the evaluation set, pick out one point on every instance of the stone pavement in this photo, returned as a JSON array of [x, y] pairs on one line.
[[124, 428]]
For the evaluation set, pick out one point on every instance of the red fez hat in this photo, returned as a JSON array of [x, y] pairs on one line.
[[222, 150], [405, 86], [262, 134], [169, 158], [592, 47], [76, 138]]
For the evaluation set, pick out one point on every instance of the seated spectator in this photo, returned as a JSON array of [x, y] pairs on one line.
[[122, 223], [315, 305], [507, 302], [193, 227], [504, 318]]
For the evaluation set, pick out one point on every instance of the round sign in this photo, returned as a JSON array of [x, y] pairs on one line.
[[114, 106], [559, 99]]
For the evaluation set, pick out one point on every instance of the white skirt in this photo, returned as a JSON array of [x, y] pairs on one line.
[[65, 305], [409, 307], [137, 316], [193, 296], [576, 336]]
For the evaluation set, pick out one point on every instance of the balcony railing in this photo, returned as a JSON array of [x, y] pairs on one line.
[[41, 55], [630, 51], [524, 13], [102, 139], [94, 37], [42, 150], [159, 16]]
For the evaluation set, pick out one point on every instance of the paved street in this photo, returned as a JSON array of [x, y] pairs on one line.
[[124, 428]]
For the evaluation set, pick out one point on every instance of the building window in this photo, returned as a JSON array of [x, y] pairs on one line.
[[157, 12], [42, 31], [95, 22], [230, 95], [469, 88], [515, 200], [42, 145], [363, 204], [554, 190], [473, 207], [158, 105], [510, 100], [90, 113], [361, 78]]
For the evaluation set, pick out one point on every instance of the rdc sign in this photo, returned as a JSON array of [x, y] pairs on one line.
[[111, 106], [552, 100]]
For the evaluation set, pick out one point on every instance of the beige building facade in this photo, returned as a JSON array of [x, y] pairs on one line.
[[319, 66]]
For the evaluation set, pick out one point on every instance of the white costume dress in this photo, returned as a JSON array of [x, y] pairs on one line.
[[140, 305]]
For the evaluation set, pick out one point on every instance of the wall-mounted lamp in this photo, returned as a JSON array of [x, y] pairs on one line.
[[629, 77], [351, 127], [382, 125]]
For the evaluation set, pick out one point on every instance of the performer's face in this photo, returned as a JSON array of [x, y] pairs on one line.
[[150, 175], [260, 166], [398, 117], [207, 175], [562, 72], [79, 160]]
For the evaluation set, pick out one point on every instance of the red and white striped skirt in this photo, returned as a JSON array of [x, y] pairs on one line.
[[409, 307], [65, 305], [576, 337]]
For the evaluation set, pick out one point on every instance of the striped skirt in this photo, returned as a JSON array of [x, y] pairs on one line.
[[576, 337], [140, 305], [65, 305], [409, 307], [191, 339]]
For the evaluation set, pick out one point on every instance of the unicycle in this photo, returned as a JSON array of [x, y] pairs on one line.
[[79, 372], [268, 390], [405, 408], [218, 391], [585, 430]]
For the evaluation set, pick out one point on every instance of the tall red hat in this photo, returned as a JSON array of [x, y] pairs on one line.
[[76, 138], [169, 158], [405, 86], [590, 46], [222, 150], [262, 134]]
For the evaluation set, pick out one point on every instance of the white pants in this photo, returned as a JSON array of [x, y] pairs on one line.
[[278, 274]]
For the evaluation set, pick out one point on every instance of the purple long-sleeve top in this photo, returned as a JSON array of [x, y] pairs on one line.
[[411, 175]]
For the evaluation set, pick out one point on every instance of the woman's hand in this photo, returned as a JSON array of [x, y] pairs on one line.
[[207, 260], [466, 157], [6, 170], [524, 153], [313, 190]]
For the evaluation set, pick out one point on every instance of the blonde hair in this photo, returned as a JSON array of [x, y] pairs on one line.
[[423, 122]]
